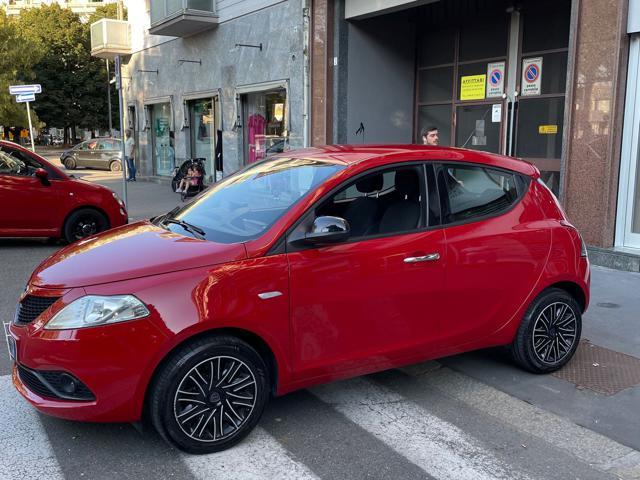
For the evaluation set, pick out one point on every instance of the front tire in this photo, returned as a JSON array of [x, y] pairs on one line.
[[83, 223], [549, 333], [69, 163], [209, 395]]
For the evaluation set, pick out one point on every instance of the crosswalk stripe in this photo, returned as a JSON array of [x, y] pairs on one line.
[[258, 457], [26, 452], [438, 447], [593, 448]]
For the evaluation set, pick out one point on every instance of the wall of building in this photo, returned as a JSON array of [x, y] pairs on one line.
[[225, 67], [380, 79]]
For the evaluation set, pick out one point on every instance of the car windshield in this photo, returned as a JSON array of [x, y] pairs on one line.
[[245, 205]]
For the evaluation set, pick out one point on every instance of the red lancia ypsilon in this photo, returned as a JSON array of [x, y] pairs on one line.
[[317, 265]]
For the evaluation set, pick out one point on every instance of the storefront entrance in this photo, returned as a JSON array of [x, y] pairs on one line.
[[628, 218], [204, 131], [492, 77], [265, 123], [162, 138]]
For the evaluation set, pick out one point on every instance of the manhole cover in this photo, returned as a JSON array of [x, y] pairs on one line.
[[600, 369]]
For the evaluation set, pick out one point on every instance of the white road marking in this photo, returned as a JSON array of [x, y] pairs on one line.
[[26, 452], [258, 457], [593, 448], [438, 447]]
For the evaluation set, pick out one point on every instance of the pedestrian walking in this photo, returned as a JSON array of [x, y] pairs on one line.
[[129, 147]]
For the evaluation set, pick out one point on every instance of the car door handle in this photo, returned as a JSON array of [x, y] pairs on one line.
[[432, 257]]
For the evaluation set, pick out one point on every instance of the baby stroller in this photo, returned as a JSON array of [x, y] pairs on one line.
[[181, 172]]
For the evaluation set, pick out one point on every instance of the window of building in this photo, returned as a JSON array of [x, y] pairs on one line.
[[203, 131], [162, 139], [265, 124]]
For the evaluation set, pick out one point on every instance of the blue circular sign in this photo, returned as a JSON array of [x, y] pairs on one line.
[[495, 77], [532, 73]]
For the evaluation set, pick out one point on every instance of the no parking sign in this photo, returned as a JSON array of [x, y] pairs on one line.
[[495, 79], [531, 76]]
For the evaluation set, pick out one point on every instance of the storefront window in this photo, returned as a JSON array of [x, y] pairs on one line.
[[264, 124], [203, 131], [435, 116], [163, 145]]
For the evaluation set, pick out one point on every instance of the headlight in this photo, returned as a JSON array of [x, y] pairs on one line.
[[93, 310], [118, 199]]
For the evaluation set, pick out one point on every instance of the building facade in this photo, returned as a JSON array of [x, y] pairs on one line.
[[223, 82], [550, 81]]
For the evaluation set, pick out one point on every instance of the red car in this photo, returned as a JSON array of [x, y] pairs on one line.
[[313, 266], [45, 202]]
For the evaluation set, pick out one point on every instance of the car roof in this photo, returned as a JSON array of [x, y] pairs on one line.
[[356, 154]]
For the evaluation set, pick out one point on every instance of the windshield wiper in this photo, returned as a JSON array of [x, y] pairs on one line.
[[197, 231]]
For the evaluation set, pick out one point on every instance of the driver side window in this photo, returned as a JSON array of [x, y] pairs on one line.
[[14, 162], [380, 203]]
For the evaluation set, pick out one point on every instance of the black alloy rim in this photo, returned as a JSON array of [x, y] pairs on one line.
[[554, 333], [85, 226], [215, 399]]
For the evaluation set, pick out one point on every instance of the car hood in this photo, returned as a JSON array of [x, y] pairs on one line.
[[138, 250]]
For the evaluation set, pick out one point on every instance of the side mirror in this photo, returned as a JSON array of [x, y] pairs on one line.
[[328, 230], [42, 174]]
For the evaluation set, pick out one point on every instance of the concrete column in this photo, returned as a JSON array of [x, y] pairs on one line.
[[321, 72]]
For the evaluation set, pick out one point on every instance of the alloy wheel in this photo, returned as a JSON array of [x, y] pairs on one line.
[[554, 333], [215, 399], [85, 226]]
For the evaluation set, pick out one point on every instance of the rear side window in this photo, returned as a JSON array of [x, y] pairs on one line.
[[472, 192]]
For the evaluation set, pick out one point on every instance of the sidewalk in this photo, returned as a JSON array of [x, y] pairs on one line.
[[612, 322]]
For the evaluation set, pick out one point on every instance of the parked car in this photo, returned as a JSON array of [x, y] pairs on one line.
[[100, 153], [309, 267], [42, 201]]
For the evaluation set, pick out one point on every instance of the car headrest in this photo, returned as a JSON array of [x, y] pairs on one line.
[[407, 182], [370, 184]]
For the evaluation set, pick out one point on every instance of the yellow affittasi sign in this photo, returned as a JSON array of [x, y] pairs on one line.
[[472, 87], [547, 129]]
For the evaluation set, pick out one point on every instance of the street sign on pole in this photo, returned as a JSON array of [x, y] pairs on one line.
[[33, 147], [26, 97], [20, 89]]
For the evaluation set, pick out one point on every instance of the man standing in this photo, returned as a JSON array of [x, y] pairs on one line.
[[430, 136], [129, 146]]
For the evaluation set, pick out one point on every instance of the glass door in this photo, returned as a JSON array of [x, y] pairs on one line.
[[461, 73], [539, 87], [202, 118], [628, 218]]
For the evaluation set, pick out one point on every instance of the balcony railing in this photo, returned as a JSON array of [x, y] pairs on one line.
[[181, 18], [110, 38]]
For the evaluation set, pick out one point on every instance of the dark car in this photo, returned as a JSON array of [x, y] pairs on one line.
[[314, 266], [39, 200], [100, 153]]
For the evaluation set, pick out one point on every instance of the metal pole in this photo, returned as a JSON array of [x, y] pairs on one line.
[[120, 102], [109, 97], [33, 147]]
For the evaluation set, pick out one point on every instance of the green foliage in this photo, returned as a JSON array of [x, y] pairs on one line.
[[19, 54], [74, 84]]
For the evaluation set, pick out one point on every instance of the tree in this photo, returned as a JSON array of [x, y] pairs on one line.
[[18, 55], [74, 84]]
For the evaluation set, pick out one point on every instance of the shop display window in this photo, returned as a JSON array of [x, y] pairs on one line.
[[265, 124]]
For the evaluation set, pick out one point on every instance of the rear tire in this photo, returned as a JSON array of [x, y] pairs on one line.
[[209, 395], [83, 223], [549, 333], [115, 166], [69, 163]]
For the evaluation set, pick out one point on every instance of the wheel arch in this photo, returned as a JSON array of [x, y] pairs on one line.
[[573, 289]]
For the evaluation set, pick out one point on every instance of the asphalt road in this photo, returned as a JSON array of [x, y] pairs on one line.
[[472, 416]]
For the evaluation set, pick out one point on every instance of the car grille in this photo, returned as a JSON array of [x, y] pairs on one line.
[[48, 384], [31, 307]]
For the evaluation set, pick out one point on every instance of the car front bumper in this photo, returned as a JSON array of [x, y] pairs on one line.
[[112, 361]]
